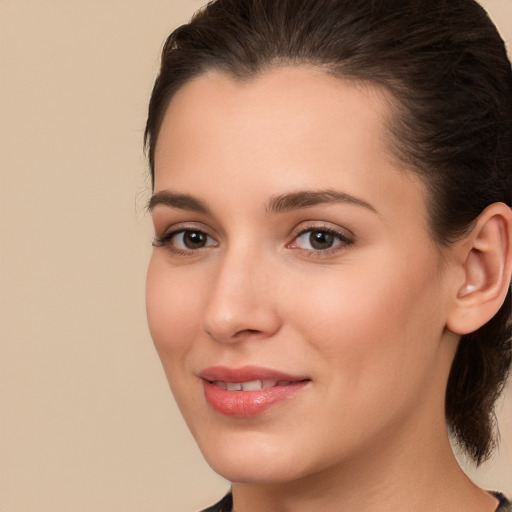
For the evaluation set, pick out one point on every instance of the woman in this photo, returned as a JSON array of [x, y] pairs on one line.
[[330, 283]]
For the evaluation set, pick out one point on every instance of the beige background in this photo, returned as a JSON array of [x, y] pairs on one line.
[[86, 420]]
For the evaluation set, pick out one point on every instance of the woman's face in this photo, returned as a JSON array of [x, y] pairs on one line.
[[295, 296]]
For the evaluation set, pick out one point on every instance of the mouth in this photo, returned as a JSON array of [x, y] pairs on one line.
[[248, 391]]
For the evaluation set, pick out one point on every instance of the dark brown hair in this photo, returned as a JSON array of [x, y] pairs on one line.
[[447, 69]]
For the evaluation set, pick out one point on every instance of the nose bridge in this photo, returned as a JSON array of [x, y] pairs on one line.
[[241, 302]]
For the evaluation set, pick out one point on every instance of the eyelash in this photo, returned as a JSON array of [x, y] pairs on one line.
[[166, 238], [343, 241]]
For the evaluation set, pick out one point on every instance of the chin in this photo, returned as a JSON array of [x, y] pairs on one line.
[[251, 460], [256, 471]]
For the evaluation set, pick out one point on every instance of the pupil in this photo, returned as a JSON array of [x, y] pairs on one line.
[[321, 240], [194, 239]]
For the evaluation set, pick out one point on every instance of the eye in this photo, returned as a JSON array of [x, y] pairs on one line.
[[320, 240], [185, 240]]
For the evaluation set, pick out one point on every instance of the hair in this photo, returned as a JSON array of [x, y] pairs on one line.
[[446, 68]]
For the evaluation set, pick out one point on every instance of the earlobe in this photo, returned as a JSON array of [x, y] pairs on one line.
[[486, 260]]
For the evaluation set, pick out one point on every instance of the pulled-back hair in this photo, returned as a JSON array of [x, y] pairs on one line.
[[447, 70]]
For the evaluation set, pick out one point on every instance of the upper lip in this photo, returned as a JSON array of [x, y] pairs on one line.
[[246, 374]]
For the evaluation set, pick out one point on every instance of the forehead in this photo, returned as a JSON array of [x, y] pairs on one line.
[[290, 127], [300, 92], [290, 100]]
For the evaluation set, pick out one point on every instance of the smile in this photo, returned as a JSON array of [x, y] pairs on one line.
[[248, 391]]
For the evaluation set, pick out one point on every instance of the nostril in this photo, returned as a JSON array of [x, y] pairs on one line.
[[247, 332], [238, 336]]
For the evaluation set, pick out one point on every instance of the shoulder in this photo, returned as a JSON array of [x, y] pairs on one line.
[[226, 505]]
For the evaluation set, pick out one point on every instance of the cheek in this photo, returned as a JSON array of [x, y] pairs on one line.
[[171, 305], [370, 317], [374, 338]]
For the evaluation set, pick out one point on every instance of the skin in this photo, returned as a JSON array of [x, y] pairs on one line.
[[365, 320]]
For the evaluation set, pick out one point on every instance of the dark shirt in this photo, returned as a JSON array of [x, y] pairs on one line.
[[226, 504], [505, 505]]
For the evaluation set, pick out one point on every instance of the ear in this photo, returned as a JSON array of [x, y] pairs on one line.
[[485, 257]]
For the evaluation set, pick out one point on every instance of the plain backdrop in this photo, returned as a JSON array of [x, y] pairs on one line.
[[87, 423]]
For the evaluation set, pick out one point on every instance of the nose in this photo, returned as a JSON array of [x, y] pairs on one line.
[[243, 301]]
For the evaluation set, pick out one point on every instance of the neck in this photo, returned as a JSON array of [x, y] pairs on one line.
[[427, 478]]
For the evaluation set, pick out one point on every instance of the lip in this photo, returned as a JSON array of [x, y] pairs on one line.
[[248, 403], [246, 373]]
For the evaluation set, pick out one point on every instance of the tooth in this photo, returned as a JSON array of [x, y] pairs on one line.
[[220, 384], [234, 386], [251, 385], [268, 383], [283, 382]]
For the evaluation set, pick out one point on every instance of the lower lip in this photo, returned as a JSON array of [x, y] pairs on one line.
[[243, 404]]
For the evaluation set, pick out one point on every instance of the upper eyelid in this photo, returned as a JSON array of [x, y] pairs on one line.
[[186, 226], [314, 225], [322, 228], [343, 239], [164, 223]]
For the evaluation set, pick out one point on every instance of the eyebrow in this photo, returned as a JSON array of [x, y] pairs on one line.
[[307, 199], [278, 204], [176, 200]]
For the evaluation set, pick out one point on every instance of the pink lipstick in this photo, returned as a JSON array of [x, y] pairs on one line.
[[249, 390]]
